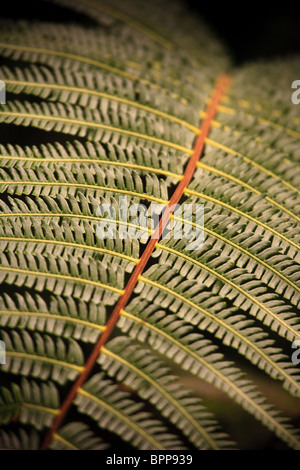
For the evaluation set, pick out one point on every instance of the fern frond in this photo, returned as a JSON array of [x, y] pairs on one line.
[[20, 440], [198, 356], [29, 403], [109, 407], [110, 329], [75, 436], [42, 356], [134, 366]]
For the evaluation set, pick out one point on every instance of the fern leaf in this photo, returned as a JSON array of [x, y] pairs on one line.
[[115, 328]]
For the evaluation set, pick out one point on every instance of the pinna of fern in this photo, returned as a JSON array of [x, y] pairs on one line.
[[114, 108]]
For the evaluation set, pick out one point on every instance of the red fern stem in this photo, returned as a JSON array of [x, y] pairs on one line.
[[218, 92]]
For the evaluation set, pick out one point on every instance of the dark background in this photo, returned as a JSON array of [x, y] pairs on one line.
[[250, 29], [254, 30]]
